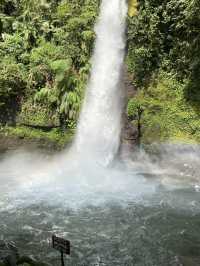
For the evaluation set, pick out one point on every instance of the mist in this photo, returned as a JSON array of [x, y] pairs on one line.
[[30, 177]]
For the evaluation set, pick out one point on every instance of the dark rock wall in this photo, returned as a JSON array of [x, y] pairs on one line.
[[129, 133]]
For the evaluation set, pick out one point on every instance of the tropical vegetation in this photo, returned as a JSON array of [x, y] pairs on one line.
[[45, 51], [45, 47], [164, 57]]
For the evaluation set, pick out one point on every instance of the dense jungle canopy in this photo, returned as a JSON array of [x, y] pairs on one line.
[[45, 51]]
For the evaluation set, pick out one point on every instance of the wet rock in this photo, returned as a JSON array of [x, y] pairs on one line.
[[9, 254], [189, 261], [12, 143], [129, 134], [30, 261]]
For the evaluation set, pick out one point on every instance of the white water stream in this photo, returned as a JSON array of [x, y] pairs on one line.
[[99, 127]]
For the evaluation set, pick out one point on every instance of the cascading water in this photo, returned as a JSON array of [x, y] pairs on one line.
[[109, 214], [99, 127], [77, 177]]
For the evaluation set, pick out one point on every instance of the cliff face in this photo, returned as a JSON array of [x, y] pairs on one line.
[[129, 134]]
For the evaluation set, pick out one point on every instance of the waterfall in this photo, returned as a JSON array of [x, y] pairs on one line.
[[99, 128]]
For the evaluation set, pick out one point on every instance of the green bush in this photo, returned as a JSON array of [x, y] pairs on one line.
[[167, 115], [12, 81], [37, 115]]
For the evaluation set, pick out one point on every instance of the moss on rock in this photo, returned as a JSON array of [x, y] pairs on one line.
[[15, 137]]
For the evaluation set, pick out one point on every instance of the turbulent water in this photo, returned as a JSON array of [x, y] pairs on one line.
[[142, 212], [100, 122], [146, 212]]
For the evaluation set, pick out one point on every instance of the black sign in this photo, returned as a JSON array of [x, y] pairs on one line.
[[61, 244]]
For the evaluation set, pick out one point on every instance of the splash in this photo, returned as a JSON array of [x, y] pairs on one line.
[[78, 176], [100, 121]]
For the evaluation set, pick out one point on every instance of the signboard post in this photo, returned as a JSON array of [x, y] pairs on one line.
[[61, 245]]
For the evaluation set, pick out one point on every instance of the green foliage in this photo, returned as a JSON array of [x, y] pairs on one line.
[[164, 56], [37, 115], [12, 81], [134, 106], [12, 45], [165, 34], [54, 135], [63, 94], [45, 48], [167, 115], [12, 88], [44, 52]]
